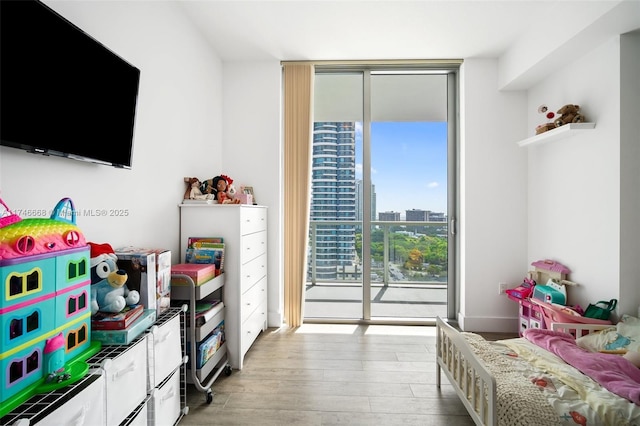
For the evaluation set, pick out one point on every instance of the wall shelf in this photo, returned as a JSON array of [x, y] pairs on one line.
[[558, 133]]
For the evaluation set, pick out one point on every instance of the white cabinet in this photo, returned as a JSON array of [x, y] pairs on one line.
[[244, 229]]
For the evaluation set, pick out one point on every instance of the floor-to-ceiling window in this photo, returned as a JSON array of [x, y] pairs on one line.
[[383, 194]]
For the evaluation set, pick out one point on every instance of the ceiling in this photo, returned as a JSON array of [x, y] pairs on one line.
[[241, 30]]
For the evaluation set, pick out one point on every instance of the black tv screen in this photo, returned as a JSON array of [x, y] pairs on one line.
[[61, 91]]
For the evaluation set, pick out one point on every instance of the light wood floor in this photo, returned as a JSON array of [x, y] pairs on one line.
[[333, 374]]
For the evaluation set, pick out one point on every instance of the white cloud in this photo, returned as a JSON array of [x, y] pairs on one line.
[[433, 185]]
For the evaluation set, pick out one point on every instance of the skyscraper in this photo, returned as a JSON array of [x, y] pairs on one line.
[[333, 196], [360, 197]]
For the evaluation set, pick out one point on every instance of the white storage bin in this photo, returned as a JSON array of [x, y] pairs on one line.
[[126, 382], [165, 350], [85, 408], [164, 404]]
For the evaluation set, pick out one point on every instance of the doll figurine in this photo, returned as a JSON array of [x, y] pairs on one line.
[[220, 187]]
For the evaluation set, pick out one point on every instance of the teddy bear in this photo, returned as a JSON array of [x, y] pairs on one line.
[[569, 114], [109, 291]]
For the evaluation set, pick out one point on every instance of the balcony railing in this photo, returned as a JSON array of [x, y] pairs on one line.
[[406, 253]]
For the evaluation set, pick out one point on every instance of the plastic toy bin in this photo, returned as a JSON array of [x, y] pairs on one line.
[[557, 313]]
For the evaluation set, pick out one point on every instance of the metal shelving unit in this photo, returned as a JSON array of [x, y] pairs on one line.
[[204, 377]]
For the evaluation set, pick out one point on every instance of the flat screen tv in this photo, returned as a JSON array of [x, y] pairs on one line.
[[62, 92]]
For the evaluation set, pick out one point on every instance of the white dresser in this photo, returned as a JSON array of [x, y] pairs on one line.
[[244, 230]]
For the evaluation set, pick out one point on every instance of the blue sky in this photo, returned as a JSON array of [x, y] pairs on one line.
[[408, 163]]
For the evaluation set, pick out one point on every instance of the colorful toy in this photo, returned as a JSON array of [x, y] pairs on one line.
[[109, 291], [524, 290], [45, 317]]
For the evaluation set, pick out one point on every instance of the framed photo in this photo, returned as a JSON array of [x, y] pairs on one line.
[[249, 191]]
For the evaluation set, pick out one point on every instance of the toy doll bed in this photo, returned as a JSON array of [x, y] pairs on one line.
[[521, 382]]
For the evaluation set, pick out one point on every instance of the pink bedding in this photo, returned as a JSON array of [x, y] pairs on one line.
[[613, 372]]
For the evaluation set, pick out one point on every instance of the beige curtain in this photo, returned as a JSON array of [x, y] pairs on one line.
[[298, 129]]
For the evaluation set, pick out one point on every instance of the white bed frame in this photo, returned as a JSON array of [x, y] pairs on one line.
[[468, 375]]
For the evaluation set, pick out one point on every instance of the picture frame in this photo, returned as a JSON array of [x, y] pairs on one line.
[[249, 191]]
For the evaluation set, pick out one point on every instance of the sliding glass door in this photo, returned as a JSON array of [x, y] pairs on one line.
[[382, 188]]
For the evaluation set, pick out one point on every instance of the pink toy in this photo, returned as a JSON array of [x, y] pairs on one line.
[[524, 290]]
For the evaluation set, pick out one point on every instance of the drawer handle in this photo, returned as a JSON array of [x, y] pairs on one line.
[[248, 303], [169, 395], [131, 367], [78, 420]]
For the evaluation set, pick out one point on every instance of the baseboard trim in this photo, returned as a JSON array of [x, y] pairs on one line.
[[488, 324]]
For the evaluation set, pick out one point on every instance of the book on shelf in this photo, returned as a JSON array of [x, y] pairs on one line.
[[207, 255], [118, 320], [199, 273], [192, 240]]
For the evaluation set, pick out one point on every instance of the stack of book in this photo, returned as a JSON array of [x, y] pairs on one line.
[[121, 328], [206, 250], [116, 321]]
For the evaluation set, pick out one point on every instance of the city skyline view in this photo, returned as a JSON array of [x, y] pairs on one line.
[[408, 165]]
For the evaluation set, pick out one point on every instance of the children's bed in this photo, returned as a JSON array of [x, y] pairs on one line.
[[532, 380]]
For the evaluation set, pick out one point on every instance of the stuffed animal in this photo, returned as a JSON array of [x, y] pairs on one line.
[[569, 114], [109, 291], [194, 192], [221, 188]]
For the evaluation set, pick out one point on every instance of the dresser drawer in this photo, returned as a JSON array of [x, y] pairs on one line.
[[164, 404], [253, 245], [85, 408], [252, 272], [253, 326], [252, 298], [164, 348], [126, 382], [252, 220]]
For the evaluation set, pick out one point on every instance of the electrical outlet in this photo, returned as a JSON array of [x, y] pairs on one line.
[[502, 288]]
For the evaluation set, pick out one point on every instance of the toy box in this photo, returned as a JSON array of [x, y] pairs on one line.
[[149, 272], [199, 272]]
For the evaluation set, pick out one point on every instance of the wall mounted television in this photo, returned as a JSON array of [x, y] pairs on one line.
[[62, 92]]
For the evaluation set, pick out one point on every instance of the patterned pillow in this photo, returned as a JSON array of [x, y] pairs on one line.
[[625, 335]]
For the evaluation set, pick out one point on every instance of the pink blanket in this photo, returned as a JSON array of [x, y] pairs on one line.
[[613, 372]]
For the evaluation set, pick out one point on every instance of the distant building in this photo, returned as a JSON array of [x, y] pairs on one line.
[[416, 215], [437, 217], [360, 197], [333, 196], [389, 216]]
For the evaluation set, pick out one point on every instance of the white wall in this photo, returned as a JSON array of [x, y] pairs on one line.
[[178, 129], [253, 153], [574, 184], [493, 202]]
